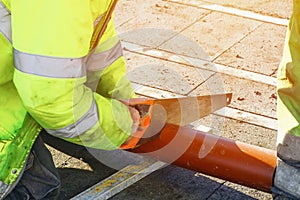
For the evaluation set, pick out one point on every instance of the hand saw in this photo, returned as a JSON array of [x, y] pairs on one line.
[[155, 113]]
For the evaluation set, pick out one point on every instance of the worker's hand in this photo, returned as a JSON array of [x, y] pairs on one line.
[[135, 115], [140, 113]]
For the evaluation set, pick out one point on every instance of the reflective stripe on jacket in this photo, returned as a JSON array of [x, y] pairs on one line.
[[69, 91]]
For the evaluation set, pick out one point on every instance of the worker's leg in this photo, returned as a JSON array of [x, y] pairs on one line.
[[40, 179], [287, 177]]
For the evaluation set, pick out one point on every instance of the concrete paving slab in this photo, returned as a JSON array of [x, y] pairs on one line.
[[247, 117], [129, 9], [275, 8], [135, 8], [240, 131], [164, 75], [260, 51], [215, 33], [201, 63], [248, 95], [154, 22], [125, 11], [155, 93]]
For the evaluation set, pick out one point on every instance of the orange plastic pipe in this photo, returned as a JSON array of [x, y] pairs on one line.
[[209, 154]]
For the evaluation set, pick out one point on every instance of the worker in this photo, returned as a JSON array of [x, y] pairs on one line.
[[287, 176], [50, 79]]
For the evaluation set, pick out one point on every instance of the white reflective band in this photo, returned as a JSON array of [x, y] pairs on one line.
[[5, 23], [49, 66], [104, 59], [85, 123], [65, 67]]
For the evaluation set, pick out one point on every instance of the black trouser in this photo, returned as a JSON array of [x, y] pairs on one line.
[[40, 179]]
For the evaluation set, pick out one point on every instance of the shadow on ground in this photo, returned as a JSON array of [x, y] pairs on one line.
[[170, 182]]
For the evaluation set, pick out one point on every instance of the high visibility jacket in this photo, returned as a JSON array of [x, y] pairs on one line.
[[289, 77], [288, 105], [49, 79]]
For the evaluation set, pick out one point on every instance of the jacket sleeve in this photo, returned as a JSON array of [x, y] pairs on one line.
[[288, 84], [70, 91]]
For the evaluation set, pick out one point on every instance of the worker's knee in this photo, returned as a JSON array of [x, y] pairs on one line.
[[287, 175], [40, 179], [288, 149], [286, 181]]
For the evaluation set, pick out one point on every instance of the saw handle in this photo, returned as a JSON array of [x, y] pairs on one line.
[[144, 107]]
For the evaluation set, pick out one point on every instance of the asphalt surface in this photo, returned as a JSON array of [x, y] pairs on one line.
[[191, 47]]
